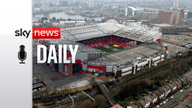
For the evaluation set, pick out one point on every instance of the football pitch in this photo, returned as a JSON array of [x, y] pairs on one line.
[[110, 48]]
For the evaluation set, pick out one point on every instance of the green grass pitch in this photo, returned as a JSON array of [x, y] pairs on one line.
[[108, 50]]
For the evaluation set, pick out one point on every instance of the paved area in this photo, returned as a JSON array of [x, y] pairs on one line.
[[177, 97], [175, 38], [173, 48], [48, 76], [51, 78]]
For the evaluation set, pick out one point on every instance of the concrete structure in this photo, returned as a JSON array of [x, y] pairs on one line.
[[133, 58], [171, 17], [74, 87], [91, 3], [165, 17], [176, 4], [124, 62], [45, 6], [177, 16], [147, 14]]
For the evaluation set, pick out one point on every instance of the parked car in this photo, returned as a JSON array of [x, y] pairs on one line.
[[171, 103], [161, 104], [174, 101], [158, 106], [97, 75], [164, 102], [167, 100], [172, 97], [181, 91]]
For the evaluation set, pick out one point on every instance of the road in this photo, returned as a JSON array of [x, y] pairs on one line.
[[177, 97]]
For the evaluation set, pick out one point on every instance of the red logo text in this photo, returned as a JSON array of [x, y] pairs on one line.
[[46, 33]]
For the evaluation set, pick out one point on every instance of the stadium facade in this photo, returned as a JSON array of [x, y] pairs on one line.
[[133, 47]]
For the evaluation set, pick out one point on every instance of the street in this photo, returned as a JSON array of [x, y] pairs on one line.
[[177, 97]]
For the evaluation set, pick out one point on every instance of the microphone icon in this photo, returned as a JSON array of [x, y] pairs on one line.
[[22, 55]]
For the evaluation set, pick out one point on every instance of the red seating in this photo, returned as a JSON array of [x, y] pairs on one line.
[[102, 41]]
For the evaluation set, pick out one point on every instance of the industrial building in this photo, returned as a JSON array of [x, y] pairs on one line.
[[170, 17], [147, 14]]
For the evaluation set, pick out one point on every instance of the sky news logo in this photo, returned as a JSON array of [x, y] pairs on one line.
[[46, 33]]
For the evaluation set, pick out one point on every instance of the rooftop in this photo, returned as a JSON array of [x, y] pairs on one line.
[[126, 57], [133, 30], [164, 25]]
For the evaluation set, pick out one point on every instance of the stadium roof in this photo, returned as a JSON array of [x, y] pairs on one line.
[[127, 57], [134, 30]]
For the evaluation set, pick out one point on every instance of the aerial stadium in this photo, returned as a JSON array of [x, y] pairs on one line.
[[110, 48]]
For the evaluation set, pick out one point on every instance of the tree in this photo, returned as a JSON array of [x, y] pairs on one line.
[[93, 20], [86, 104], [43, 18], [101, 101], [54, 19], [103, 20], [85, 19]]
